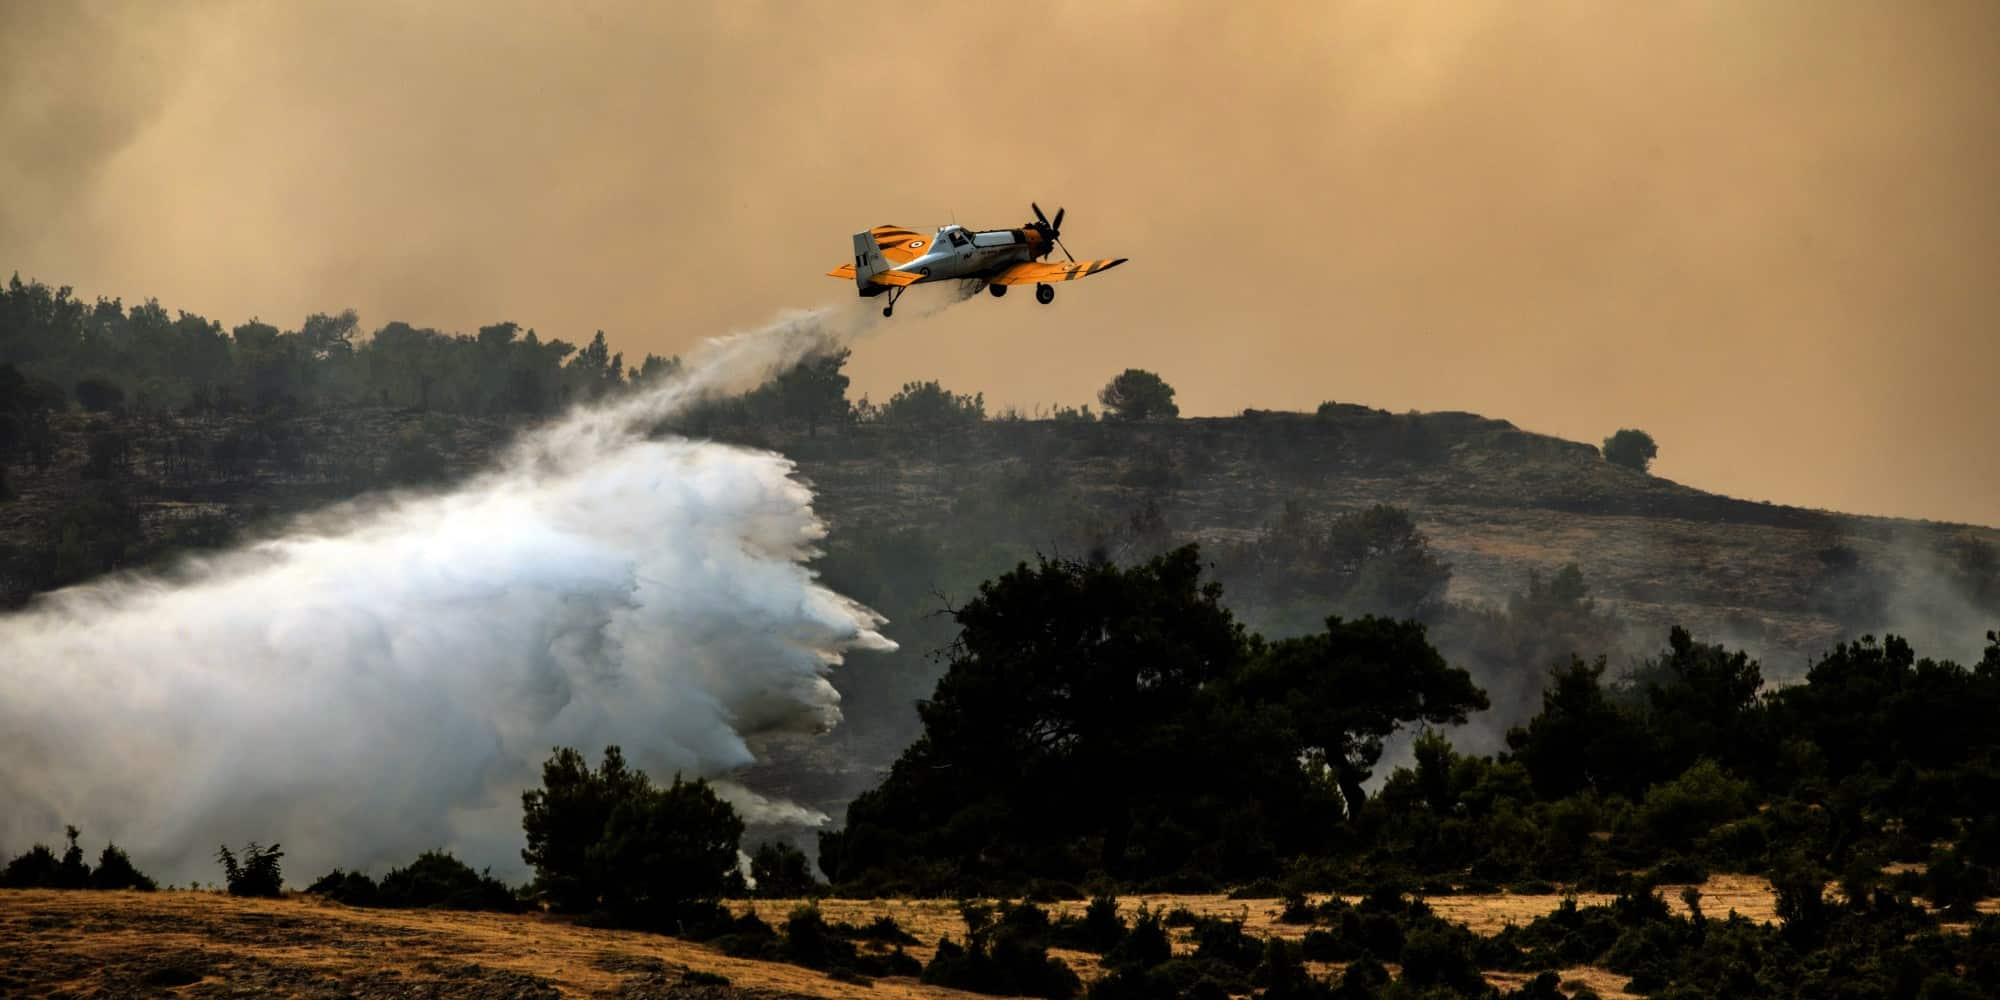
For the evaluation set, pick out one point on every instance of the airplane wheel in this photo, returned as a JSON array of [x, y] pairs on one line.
[[1045, 294], [888, 310], [997, 290]]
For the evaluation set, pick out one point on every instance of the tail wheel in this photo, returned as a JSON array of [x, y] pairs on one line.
[[1045, 294], [997, 290]]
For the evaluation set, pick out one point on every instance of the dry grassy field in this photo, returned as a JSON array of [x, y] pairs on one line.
[[205, 944], [201, 944]]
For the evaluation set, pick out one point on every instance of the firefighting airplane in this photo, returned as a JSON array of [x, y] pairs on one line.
[[891, 259]]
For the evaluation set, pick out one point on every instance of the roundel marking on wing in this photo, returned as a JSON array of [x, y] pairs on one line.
[[916, 244]]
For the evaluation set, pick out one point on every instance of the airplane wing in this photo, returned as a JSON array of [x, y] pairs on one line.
[[890, 277], [1037, 272]]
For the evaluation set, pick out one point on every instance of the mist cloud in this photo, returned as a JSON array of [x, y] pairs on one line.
[[386, 677]]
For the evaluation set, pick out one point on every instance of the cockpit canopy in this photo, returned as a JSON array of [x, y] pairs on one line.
[[957, 236]]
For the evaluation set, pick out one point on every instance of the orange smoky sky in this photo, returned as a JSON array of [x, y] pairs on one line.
[[1765, 232]]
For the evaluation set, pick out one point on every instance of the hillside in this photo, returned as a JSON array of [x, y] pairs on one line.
[[1495, 501]]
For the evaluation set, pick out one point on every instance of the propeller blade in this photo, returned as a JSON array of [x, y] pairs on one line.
[[1059, 241], [1039, 215], [1057, 225]]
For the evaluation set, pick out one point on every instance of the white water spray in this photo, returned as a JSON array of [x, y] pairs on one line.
[[387, 678]]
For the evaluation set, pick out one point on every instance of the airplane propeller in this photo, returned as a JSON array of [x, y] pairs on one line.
[[1053, 230]]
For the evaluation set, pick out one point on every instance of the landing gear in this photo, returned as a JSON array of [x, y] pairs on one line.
[[997, 290], [894, 294], [1045, 294]]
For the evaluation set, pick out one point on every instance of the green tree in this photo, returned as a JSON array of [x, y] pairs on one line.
[[1137, 394], [566, 817], [666, 851], [1344, 690], [611, 839], [1119, 719], [1633, 449], [1582, 740]]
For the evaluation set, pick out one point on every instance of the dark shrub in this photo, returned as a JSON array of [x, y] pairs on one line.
[[116, 871], [1002, 963], [438, 880], [1441, 957], [1098, 930], [257, 874], [1632, 449], [351, 888], [1145, 945], [35, 868]]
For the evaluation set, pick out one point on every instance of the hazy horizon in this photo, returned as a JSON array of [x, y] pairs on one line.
[[1766, 233]]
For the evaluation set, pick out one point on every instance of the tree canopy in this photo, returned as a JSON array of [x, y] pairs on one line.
[[1119, 720], [1137, 394], [1633, 449]]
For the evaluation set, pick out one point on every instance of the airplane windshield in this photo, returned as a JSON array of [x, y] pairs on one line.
[[957, 238]]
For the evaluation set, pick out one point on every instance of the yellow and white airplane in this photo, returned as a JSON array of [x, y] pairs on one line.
[[891, 258]]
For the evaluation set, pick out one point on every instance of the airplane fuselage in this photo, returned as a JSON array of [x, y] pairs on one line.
[[958, 253]]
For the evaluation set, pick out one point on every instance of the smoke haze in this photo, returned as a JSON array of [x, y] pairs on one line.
[[1765, 233], [386, 678]]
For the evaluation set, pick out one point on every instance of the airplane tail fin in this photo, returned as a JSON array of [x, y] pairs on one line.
[[868, 260]]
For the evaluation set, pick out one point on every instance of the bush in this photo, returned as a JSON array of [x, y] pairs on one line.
[[39, 868], [1632, 449], [35, 868], [1441, 957], [927, 407], [1702, 798], [115, 871], [1145, 945], [351, 888], [1003, 962], [1099, 930], [257, 874], [438, 880]]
